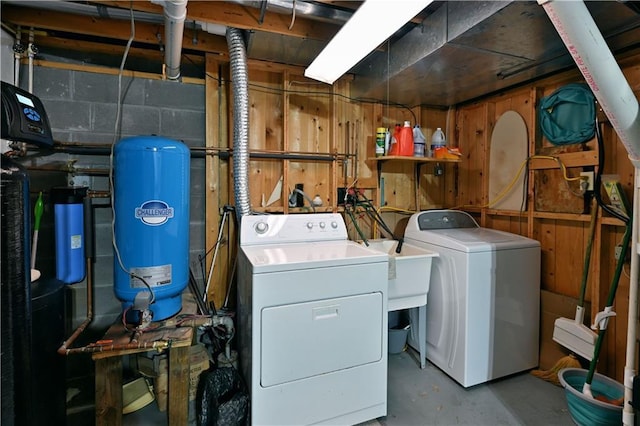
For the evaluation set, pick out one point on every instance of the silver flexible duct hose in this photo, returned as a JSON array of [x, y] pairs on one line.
[[239, 77]]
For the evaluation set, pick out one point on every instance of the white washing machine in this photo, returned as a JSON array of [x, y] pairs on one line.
[[484, 297], [312, 323]]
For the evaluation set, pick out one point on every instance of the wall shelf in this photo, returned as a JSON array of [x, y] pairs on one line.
[[417, 162], [414, 159]]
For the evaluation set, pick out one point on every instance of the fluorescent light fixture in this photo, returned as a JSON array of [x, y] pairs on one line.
[[373, 23]]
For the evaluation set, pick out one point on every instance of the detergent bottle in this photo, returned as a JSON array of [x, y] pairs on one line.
[[405, 140]]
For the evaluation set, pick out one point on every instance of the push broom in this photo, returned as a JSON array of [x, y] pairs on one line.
[[572, 333], [622, 212]]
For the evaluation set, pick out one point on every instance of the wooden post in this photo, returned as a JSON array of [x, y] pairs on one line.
[[108, 391], [178, 404]]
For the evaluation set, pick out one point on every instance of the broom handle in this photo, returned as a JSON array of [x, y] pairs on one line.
[[610, 299], [587, 256]]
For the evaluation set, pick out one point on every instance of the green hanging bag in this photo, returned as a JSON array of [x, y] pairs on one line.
[[568, 115]]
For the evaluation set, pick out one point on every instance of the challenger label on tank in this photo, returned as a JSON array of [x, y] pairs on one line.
[[154, 212], [155, 276]]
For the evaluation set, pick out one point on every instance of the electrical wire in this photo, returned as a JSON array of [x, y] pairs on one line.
[[293, 16], [382, 209], [395, 209], [116, 133], [503, 193], [268, 89], [306, 197]]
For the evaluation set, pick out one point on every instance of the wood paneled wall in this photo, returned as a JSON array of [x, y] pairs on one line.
[[555, 215], [292, 114]]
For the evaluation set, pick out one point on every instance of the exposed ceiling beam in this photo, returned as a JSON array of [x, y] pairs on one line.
[[108, 28], [153, 55], [238, 16]]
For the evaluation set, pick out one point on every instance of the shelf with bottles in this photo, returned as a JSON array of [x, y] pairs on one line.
[[407, 158]]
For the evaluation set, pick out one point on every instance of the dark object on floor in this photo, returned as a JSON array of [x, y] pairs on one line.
[[222, 398]]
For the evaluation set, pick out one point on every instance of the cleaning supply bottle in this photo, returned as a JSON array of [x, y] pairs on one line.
[[394, 146], [418, 142], [438, 140], [405, 140], [380, 135], [387, 142]]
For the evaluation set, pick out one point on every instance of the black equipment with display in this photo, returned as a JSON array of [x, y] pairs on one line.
[[24, 118]]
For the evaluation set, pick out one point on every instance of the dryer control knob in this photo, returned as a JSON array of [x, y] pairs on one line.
[[334, 225], [309, 225], [322, 225], [261, 227]]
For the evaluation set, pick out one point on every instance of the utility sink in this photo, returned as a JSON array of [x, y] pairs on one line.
[[409, 273]]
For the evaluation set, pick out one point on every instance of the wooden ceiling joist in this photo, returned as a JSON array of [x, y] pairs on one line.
[[153, 55], [108, 28], [243, 17]]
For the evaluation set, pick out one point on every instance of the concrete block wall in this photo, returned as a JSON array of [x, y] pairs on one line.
[[82, 108]]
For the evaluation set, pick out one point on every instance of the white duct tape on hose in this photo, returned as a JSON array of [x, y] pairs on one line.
[[587, 46]]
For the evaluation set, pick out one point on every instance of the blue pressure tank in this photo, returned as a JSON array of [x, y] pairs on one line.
[[151, 184]]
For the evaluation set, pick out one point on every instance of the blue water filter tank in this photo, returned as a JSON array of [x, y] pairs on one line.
[[68, 213], [151, 184]]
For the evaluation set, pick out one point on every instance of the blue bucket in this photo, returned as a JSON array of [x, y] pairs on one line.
[[585, 410]]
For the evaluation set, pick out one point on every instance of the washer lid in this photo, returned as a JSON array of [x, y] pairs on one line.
[[319, 254], [472, 239]]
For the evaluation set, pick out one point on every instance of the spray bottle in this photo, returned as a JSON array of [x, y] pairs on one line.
[[393, 147]]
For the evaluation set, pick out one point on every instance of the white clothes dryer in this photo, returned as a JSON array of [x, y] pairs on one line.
[[312, 322], [484, 299]]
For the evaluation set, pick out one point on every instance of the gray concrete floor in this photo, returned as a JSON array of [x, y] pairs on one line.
[[429, 397]]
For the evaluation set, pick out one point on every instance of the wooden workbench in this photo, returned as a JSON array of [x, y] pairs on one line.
[[108, 364]]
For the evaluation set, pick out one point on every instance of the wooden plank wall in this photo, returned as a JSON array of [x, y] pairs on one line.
[[289, 113], [555, 216], [292, 114]]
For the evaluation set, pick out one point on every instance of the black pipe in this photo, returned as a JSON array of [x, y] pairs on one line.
[[281, 156], [374, 215], [195, 153]]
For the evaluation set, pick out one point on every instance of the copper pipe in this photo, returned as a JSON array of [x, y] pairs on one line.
[[98, 194], [89, 255], [92, 348], [64, 348]]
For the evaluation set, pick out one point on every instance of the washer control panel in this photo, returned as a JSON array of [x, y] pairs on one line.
[[292, 228], [445, 219]]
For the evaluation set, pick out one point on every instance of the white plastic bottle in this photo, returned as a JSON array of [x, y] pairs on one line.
[[387, 142], [418, 142], [438, 140]]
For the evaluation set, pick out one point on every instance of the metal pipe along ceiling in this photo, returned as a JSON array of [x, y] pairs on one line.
[[175, 12]]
